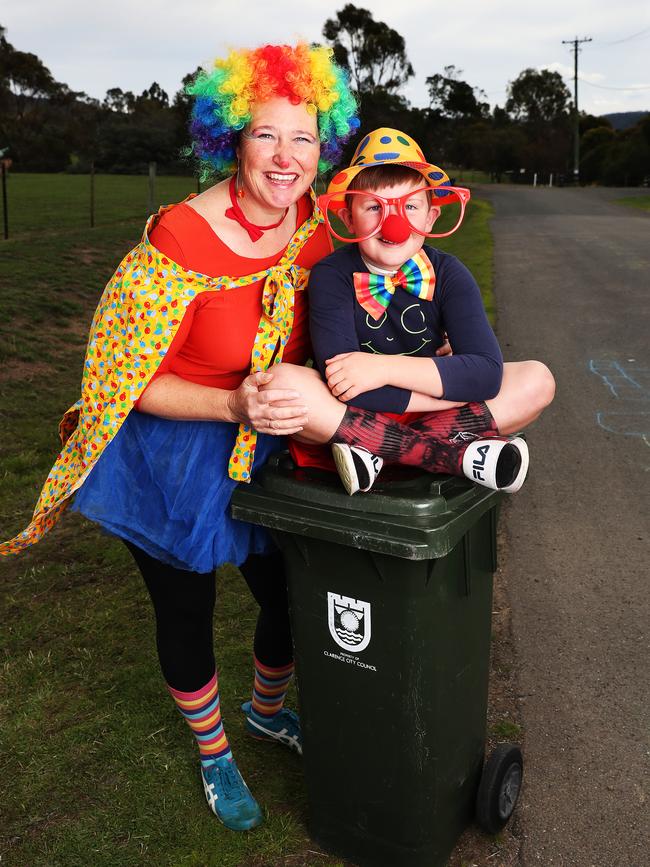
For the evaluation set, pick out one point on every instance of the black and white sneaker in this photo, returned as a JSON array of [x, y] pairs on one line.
[[499, 463], [357, 467]]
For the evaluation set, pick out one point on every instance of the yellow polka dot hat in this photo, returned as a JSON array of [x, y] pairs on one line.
[[387, 146]]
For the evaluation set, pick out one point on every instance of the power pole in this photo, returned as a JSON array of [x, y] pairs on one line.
[[576, 118]]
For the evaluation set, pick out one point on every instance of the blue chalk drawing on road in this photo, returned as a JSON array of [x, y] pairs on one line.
[[630, 385]]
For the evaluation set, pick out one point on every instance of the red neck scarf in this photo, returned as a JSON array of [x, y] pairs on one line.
[[235, 213]]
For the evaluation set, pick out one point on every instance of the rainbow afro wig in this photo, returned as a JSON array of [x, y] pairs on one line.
[[224, 97]]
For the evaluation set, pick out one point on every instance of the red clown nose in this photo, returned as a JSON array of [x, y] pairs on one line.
[[395, 229]]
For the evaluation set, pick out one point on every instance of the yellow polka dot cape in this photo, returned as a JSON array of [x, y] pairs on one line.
[[134, 325]]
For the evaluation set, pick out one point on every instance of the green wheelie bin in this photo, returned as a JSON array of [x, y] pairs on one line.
[[390, 597]]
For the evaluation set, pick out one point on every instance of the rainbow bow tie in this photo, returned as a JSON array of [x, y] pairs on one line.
[[375, 292]]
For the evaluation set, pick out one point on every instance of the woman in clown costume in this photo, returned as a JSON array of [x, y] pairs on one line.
[[173, 409]]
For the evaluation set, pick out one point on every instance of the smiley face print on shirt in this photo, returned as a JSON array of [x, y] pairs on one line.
[[402, 330]]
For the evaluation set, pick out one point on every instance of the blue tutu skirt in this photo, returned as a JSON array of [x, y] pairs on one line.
[[164, 486]]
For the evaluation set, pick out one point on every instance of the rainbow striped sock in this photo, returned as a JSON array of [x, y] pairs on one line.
[[269, 690], [202, 711]]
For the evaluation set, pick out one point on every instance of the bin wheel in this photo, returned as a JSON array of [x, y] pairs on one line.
[[499, 788]]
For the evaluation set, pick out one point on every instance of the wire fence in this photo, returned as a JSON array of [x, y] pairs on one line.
[[35, 203]]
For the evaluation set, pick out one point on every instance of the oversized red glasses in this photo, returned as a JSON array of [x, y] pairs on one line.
[[357, 215]]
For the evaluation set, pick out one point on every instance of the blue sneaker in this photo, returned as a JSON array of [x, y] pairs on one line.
[[284, 728], [228, 795]]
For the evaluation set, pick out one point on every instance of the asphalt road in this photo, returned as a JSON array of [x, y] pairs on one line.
[[573, 289]]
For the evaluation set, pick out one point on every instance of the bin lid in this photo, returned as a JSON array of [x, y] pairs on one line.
[[418, 517]]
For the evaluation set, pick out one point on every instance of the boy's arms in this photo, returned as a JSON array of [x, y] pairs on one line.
[[331, 319], [350, 374]]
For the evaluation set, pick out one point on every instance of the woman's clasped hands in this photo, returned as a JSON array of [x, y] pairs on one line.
[[277, 411]]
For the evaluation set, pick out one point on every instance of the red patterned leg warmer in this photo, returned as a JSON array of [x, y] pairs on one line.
[[435, 442]]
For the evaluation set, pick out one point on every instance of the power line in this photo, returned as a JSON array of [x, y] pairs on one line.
[[605, 87], [627, 38]]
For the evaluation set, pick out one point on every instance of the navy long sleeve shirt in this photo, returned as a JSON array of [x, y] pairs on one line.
[[409, 327]]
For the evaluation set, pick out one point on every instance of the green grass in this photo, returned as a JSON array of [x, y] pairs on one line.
[[462, 177], [39, 202], [506, 730], [473, 245], [96, 765], [642, 202]]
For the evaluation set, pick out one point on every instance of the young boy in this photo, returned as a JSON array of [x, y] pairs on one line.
[[380, 308]]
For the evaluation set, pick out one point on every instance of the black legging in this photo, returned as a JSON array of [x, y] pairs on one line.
[[184, 606]]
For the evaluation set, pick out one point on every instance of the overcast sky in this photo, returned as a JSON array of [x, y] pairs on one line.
[[127, 44]]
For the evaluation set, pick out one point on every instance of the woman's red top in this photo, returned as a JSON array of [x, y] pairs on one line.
[[214, 341]]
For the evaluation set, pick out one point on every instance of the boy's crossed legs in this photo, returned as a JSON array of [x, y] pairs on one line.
[[468, 439]]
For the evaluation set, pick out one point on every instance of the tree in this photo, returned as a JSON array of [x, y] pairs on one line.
[[454, 99], [136, 130], [596, 145], [596, 137], [182, 100], [372, 52], [48, 127], [155, 97], [38, 115], [591, 121], [119, 101], [128, 144], [538, 96], [539, 102], [626, 161], [23, 78], [453, 107], [182, 109], [492, 148]]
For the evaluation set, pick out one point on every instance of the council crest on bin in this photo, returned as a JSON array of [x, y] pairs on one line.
[[349, 622]]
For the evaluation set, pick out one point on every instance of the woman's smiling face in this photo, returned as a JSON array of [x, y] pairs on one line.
[[278, 154]]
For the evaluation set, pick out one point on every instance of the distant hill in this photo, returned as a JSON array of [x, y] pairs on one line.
[[625, 119]]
